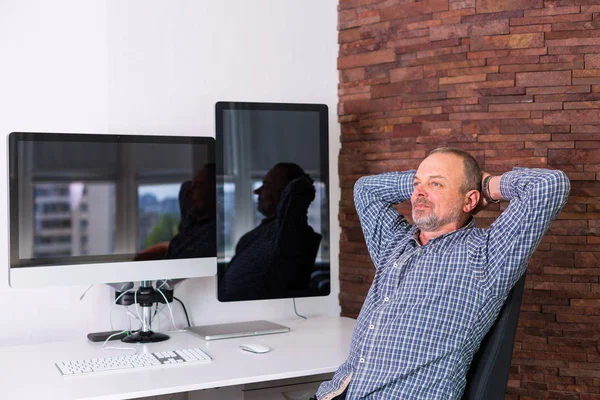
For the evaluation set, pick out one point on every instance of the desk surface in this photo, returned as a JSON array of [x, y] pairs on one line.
[[313, 346]]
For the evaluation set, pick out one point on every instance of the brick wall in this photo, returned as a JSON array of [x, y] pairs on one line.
[[515, 82]]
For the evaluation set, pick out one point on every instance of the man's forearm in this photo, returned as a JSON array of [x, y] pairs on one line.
[[390, 188], [373, 198]]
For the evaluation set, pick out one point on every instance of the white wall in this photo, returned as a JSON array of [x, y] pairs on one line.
[[155, 66]]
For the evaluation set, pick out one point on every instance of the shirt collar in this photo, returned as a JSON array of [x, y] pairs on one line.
[[415, 231]]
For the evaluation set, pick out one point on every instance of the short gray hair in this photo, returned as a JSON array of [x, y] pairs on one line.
[[472, 171]]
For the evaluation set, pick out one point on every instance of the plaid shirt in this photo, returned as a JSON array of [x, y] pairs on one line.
[[430, 306]]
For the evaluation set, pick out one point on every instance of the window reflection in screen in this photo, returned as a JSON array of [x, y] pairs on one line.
[[63, 224]]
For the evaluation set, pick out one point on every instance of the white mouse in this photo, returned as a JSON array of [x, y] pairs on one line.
[[255, 348]]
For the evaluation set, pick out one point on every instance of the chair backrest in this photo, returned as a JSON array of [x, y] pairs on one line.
[[488, 374]]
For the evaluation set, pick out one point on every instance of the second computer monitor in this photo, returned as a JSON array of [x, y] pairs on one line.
[[273, 200]]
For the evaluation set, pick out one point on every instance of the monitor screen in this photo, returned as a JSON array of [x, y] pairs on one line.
[[87, 208], [273, 200]]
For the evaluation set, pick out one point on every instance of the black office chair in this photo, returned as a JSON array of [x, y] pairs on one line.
[[488, 374]]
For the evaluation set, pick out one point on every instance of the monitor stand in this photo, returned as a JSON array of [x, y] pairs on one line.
[[146, 297], [237, 329]]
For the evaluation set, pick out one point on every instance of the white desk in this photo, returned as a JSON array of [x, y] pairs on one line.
[[314, 346]]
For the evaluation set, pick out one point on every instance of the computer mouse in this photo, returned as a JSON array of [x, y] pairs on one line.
[[255, 348]]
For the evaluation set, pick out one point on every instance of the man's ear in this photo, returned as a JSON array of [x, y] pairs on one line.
[[471, 200]]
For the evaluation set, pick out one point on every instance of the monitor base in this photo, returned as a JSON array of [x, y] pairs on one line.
[[145, 337]]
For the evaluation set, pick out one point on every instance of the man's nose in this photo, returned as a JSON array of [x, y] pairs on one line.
[[258, 190], [420, 191]]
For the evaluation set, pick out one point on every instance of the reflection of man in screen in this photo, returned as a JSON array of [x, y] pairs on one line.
[[197, 223], [276, 258], [197, 227]]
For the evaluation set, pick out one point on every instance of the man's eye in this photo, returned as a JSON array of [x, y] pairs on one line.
[[435, 184], [415, 184]]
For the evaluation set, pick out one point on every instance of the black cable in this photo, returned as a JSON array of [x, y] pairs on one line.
[[301, 316], [185, 311]]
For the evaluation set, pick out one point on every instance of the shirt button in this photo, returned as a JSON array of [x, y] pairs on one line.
[[362, 360], [371, 326], [395, 265], [386, 299]]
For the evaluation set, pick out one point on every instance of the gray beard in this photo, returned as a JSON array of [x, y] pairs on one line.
[[431, 223]]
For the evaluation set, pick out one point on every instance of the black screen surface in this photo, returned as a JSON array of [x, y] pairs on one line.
[[273, 200], [96, 198]]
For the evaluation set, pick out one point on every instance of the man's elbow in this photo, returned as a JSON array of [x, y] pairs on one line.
[[558, 186], [359, 187]]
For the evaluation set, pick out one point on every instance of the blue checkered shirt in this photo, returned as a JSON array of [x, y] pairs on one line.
[[430, 306]]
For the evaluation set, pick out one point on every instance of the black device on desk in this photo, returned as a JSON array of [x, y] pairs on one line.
[[102, 336]]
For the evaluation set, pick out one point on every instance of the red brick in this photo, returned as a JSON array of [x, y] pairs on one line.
[[591, 144], [490, 6], [592, 61], [473, 71], [586, 41], [352, 74], [579, 105], [407, 10], [574, 117], [584, 73], [543, 78], [505, 99], [573, 34], [345, 4], [489, 115], [525, 106], [452, 15], [531, 28], [574, 156], [482, 85], [493, 27], [442, 51], [448, 32], [506, 91], [550, 20], [571, 26], [511, 60], [406, 74], [359, 60], [519, 41], [349, 35], [564, 58], [558, 89], [587, 259], [552, 11], [539, 67], [454, 5], [463, 79], [573, 50], [401, 88]]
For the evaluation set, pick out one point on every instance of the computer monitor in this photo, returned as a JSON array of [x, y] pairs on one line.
[[102, 208], [273, 200]]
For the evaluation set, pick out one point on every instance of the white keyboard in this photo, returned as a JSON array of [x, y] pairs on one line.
[[133, 361]]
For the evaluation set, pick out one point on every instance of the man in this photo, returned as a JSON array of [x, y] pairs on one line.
[[440, 283], [275, 259]]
